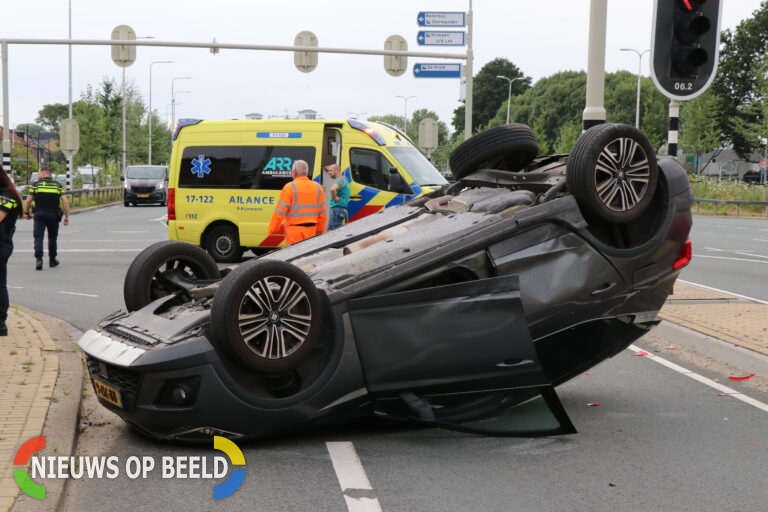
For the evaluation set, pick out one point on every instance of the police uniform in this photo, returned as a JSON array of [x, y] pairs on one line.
[[47, 195], [8, 205], [302, 208]]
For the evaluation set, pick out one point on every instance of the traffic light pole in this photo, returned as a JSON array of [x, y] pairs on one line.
[[674, 122], [594, 113]]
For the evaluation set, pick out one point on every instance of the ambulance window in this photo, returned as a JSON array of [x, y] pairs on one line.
[[368, 168], [210, 167], [269, 167]]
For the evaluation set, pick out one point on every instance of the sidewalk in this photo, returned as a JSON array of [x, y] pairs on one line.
[[29, 367]]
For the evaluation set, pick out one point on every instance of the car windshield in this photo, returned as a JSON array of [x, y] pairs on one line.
[[145, 172], [417, 166]]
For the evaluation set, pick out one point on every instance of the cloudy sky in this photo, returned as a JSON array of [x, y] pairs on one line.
[[540, 37]]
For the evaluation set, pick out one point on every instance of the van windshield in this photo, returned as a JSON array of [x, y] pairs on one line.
[[417, 166], [145, 172]]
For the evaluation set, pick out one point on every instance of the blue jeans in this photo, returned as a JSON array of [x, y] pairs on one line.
[[338, 217]]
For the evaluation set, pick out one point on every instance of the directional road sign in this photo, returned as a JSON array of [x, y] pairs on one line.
[[437, 70], [444, 38], [442, 19]]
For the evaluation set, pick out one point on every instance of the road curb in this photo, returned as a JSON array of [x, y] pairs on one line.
[[714, 348]]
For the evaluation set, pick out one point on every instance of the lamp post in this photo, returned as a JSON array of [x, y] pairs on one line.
[[509, 95], [70, 158], [639, 77], [173, 98], [405, 112], [149, 117]]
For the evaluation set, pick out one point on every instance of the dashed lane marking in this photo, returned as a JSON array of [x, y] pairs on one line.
[[704, 380], [79, 294], [354, 483], [732, 259]]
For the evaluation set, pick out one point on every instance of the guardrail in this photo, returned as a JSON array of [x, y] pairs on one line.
[[739, 204], [99, 195]]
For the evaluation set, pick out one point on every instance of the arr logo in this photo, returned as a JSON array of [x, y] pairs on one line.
[[279, 163], [235, 480], [26, 484]]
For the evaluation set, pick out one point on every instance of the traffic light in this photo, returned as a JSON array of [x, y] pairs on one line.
[[686, 41]]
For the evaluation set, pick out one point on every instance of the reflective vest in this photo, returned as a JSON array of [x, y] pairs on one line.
[[301, 203], [47, 194]]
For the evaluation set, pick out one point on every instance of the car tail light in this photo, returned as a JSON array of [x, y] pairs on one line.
[[171, 204], [684, 258]]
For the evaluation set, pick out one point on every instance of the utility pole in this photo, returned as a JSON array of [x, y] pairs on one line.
[[149, 116], [594, 112]]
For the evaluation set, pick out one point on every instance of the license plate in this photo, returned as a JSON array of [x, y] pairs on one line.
[[108, 393], [143, 195]]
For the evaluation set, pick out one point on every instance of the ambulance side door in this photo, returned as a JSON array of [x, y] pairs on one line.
[[370, 182]]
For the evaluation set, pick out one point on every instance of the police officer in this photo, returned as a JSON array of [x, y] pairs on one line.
[[49, 200], [10, 210], [301, 207]]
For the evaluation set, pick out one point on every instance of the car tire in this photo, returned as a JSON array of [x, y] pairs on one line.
[[612, 173], [261, 302], [145, 281], [223, 244], [126, 204], [509, 147]]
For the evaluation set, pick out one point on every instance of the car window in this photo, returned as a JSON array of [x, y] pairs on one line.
[[420, 169], [145, 172], [369, 168]]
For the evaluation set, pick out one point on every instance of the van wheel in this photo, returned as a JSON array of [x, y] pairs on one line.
[[267, 315], [153, 272], [223, 244]]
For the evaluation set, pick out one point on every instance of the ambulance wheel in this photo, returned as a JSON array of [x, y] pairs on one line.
[[509, 147], [612, 173], [156, 270], [266, 315], [223, 244]]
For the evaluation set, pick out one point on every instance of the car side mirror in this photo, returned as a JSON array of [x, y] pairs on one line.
[[397, 183]]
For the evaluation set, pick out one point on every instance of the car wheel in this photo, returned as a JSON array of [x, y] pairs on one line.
[[126, 204], [509, 147], [153, 272], [223, 243], [267, 315], [612, 173]]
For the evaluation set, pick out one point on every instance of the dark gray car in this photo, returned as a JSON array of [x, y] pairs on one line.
[[461, 309], [145, 184]]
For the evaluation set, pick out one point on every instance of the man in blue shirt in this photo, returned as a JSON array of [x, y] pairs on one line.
[[339, 198]]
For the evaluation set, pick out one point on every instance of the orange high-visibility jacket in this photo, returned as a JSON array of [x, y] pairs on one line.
[[302, 207]]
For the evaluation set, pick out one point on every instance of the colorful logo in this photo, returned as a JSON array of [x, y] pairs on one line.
[[26, 484], [201, 166], [238, 475]]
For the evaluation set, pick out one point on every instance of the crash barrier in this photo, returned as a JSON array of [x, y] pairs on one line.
[[87, 196], [716, 202]]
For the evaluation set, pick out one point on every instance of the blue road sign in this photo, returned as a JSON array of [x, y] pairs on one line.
[[437, 70], [441, 19], [441, 38]]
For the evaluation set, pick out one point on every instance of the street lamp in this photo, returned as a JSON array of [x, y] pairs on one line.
[[173, 98], [639, 77], [405, 112], [509, 95], [149, 120]]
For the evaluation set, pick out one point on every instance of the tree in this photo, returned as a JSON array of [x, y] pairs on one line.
[[750, 123], [489, 92], [32, 130], [50, 116], [736, 84], [396, 121], [699, 132]]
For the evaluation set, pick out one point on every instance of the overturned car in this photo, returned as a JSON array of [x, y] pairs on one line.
[[461, 309]]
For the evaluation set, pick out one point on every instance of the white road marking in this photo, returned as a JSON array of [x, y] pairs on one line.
[[760, 240], [724, 291], [724, 258], [79, 294], [354, 483], [134, 231], [752, 254], [704, 380], [162, 218], [85, 250], [16, 287], [715, 249]]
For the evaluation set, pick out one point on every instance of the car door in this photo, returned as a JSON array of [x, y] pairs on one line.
[[369, 182], [458, 356]]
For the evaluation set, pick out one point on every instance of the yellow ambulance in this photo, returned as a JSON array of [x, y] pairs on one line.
[[225, 177]]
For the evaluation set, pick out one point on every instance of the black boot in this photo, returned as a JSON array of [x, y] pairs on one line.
[[3, 328], [39, 265], [53, 262]]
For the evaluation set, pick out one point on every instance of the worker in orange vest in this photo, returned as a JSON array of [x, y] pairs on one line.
[[301, 207]]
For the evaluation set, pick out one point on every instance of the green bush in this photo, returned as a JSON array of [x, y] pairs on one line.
[[728, 190]]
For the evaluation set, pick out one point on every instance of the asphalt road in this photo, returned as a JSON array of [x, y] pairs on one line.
[[730, 254], [658, 441]]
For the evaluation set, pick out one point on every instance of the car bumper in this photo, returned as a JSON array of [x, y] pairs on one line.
[[151, 197]]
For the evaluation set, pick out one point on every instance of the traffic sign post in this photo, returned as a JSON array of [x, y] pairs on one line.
[[441, 19], [428, 135], [69, 134], [123, 55], [305, 61], [395, 65], [442, 38], [437, 70]]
